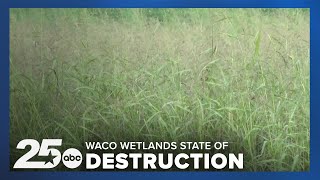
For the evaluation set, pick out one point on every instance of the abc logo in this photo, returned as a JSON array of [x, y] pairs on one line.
[[72, 158]]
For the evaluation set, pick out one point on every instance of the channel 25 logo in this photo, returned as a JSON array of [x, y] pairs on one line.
[[71, 158]]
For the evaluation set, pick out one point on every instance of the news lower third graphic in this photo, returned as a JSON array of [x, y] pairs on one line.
[[72, 158]]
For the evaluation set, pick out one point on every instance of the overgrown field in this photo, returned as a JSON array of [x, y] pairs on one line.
[[237, 75]]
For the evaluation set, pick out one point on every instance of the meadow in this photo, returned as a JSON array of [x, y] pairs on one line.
[[237, 75]]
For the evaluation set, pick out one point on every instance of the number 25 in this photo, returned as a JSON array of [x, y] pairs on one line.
[[43, 150]]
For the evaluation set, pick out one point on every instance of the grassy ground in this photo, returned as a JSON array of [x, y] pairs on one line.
[[237, 75]]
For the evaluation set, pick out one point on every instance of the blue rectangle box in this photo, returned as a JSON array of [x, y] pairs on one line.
[[314, 6]]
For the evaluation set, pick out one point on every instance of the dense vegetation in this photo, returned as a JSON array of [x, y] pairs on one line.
[[237, 75]]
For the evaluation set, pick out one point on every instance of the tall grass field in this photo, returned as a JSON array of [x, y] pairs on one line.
[[236, 75]]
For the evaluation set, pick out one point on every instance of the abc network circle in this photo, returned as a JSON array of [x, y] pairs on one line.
[[72, 158]]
